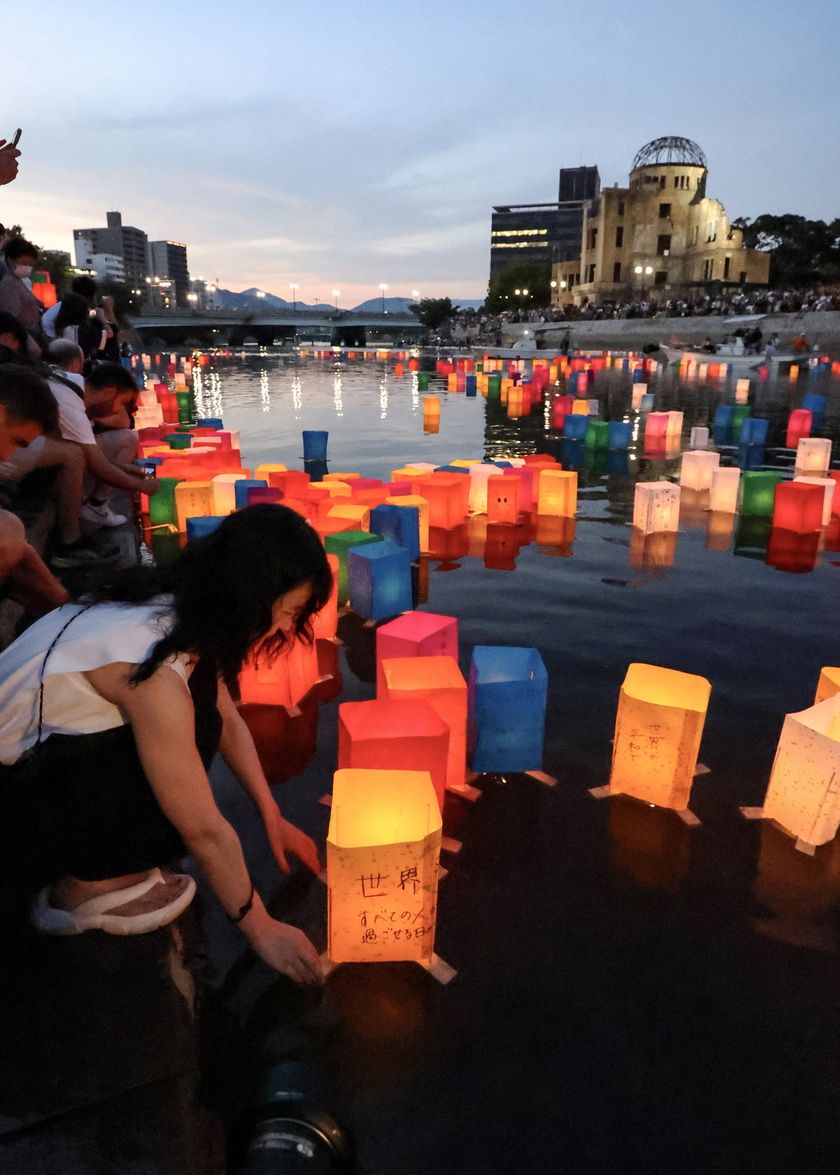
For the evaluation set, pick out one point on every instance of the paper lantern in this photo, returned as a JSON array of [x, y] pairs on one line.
[[503, 499], [742, 391], [815, 404], [828, 684], [283, 680], [199, 527], [415, 634], [264, 495], [798, 507], [339, 544], [394, 736], [357, 513], [813, 455], [383, 850], [422, 507], [507, 698], [325, 622], [698, 468], [758, 492], [557, 492], [674, 426], [790, 551], [438, 681], [754, 431], [699, 437], [799, 426], [264, 471], [656, 426], [241, 488], [448, 498], [293, 482], [379, 580], [315, 445], [828, 485], [193, 499], [574, 426], [803, 795], [620, 434], [398, 524], [659, 724], [656, 506], [162, 507], [723, 490]]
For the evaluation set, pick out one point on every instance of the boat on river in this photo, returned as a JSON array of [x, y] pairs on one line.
[[733, 353]]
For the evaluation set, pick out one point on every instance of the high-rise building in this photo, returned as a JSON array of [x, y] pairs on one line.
[[545, 233], [118, 240], [167, 260]]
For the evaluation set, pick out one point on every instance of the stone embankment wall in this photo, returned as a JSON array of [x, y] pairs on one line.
[[820, 327]]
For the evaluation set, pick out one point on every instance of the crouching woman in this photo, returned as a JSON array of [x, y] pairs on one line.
[[111, 711]]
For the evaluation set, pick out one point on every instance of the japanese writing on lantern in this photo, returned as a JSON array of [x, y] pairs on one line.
[[644, 742]]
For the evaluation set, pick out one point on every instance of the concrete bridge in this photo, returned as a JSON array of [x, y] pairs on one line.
[[232, 328]]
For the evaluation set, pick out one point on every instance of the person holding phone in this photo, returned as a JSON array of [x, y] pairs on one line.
[[9, 156]]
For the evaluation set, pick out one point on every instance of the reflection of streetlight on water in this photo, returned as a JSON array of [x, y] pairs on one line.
[[643, 272], [294, 290], [383, 287]]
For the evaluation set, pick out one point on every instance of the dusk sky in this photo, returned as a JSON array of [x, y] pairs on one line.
[[345, 144]]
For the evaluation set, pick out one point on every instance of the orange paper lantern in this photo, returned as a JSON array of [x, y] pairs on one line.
[[394, 736], [438, 681]]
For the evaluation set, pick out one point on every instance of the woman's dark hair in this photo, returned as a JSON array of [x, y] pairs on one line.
[[20, 247], [112, 375], [85, 286], [27, 398], [10, 324], [74, 311], [223, 587]]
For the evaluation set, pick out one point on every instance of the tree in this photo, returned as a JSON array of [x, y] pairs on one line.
[[57, 265], [433, 312], [533, 276], [803, 252]]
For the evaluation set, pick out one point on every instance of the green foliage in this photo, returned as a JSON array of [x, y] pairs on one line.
[[803, 252], [433, 312], [57, 265], [533, 276], [126, 303]]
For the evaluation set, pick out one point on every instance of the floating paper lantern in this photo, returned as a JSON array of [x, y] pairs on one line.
[[199, 527], [398, 524], [742, 391], [339, 544], [507, 698], [813, 455], [803, 795], [828, 485], [815, 404], [723, 490], [656, 506], [193, 499], [282, 680], [415, 634], [754, 431], [448, 498], [315, 445], [383, 850], [798, 507], [620, 434], [698, 468], [438, 681], [379, 580], [162, 506], [723, 423], [557, 492], [659, 724], [431, 405], [241, 487], [422, 507], [357, 513], [828, 684], [699, 437], [758, 492], [262, 495], [503, 499], [574, 426], [394, 736]]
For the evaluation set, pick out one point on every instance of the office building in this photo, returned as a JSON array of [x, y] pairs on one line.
[[543, 233], [167, 261], [118, 240]]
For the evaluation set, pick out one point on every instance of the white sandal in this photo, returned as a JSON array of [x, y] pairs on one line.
[[95, 914]]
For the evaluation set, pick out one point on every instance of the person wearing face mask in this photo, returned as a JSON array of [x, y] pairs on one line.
[[15, 293]]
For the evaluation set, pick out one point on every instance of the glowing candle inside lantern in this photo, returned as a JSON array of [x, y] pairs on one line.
[[803, 795], [828, 684], [281, 680], [193, 499], [503, 499], [828, 486], [659, 724], [723, 491], [415, 634], [813, 456], [383, 849], [557, 492], [758, 492], [697, 469], [656, 506], [798, 507]]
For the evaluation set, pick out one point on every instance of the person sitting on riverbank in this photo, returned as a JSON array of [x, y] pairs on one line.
[[15, 294], [111, 711], [108, 457], [85, 287]]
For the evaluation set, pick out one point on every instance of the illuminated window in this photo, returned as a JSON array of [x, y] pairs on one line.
[[520, 244], [519, 232]]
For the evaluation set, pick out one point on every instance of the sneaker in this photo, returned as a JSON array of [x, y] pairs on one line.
[[101, 515], [81, 554]]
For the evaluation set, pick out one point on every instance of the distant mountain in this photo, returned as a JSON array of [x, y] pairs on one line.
[[392, 305], [248, 300]]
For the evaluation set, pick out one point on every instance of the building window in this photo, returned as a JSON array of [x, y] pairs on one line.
[[726, 263], [743, 276], [590, 273], [662, 179], [593, 238], [661, 278], [711, 231], [664, 211], [708, 269], [620, 208], [619, 236], [693, 239], [617, 271], [663, 245]]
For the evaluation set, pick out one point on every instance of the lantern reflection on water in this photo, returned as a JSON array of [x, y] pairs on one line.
[[659, 724], [383, 848]]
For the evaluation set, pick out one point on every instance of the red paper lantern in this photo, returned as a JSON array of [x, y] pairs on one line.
[[798, 507]]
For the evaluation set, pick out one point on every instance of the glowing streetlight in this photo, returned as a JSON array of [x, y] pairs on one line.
[[260, 293], [554, 285], [336, 296], [643, 272], [383, 287], [293, 287], [415, 294]]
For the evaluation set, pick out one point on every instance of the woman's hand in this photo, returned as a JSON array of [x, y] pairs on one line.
[[286, 838], [287, 949]]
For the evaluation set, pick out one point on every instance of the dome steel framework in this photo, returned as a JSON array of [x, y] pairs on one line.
[[671, 149]]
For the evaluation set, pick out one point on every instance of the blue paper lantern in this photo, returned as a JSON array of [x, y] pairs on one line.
[[398, 524], [754, 431], [379, 578], [197, 528], [315, 445], [621, 433], [470, 385], [574, 426], [209, 422], [507, 698], [750, 457], [646, 402], [815, 404], [241, 488], [724, 418]]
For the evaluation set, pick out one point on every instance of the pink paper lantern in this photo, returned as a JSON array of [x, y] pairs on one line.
[[415, 634]]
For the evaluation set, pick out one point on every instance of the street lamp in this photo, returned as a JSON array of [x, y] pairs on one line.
[[260, 293], [294, 290], [415, 294], [643, 273], [383, 287], [336, 295]]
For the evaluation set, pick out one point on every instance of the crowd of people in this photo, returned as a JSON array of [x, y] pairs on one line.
[[483, 328]]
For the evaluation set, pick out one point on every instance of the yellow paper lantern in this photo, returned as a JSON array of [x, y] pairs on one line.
[[193, 499], [557, 492], [383, 849], [829, 683], [698, 467], [354, 512], [658, 727], [803, 795], [224, 492], [723, 490]]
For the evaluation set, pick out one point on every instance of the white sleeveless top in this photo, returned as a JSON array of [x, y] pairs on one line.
[[100, 636]]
